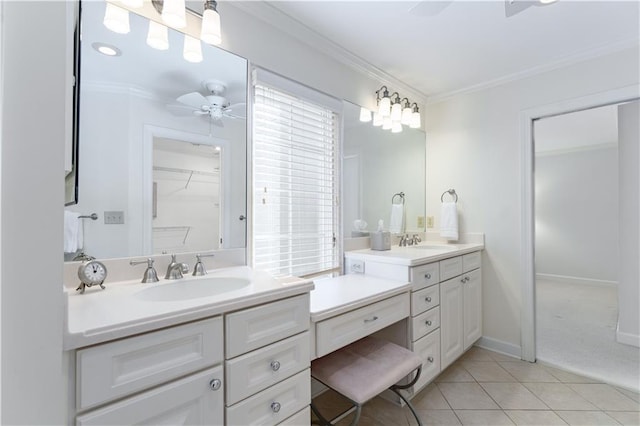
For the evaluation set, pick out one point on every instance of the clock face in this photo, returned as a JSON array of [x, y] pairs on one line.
[[92, 272]]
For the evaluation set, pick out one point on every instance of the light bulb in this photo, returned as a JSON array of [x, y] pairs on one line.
[[396, 112], [158, 36], [173, 13], [210, 32], [377, 119], [406, 115], [384, 107], [134, 4], [415, 120], [365, 115], [116, 19], [396, 127], [387, 123], [192, 51]]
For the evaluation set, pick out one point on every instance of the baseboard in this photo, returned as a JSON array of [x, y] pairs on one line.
[[627, 338], [500, 347], [576, 280]]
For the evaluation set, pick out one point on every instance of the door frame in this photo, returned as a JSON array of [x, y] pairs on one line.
[[527, 249]]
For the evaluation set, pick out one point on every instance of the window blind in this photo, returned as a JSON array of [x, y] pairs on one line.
[[295, 188]]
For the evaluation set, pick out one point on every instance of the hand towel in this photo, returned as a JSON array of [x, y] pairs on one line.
[[449, 221], [73, 235], [396, 224]]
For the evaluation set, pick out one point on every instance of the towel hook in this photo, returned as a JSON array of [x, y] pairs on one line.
[[399, 194], [451, 192]]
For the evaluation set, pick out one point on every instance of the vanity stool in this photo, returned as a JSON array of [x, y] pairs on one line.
[[364, 369]]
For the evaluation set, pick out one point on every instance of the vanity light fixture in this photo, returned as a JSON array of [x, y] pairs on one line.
[[173, 13], [192, 51], [415, 117], [158, 36], [134, 4], [116, 19], [377, 119], [210, 32], [396, 127], [365, 115], [384, 103], [387, 124], [406, 112], [396, 108]]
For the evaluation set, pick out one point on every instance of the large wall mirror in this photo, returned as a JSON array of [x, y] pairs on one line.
[[376, 165], [162, 144]]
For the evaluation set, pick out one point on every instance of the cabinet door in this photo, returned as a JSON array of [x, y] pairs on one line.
[[472, 307], [451, 322], [189, 401]]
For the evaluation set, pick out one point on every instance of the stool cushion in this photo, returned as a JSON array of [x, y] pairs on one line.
[[365, 368]]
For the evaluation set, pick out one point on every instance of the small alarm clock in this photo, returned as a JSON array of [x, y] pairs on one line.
[[91, 273]]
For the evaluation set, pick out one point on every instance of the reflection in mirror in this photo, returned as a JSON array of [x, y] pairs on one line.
[[148, 118], [376, 165]]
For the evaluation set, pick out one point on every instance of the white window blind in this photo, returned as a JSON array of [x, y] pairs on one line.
[[295, 184]]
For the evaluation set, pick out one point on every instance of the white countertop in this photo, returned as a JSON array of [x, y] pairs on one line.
[[101, 315], [425, 252], [334, 296]]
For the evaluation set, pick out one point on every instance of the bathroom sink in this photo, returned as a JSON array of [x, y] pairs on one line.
[[191, 289], [434, 247]]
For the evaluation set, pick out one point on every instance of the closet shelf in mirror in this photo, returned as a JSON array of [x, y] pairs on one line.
[[175, 229], [186, 171]]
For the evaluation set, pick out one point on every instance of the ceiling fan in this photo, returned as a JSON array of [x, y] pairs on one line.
[[214, 104], [511, 7]]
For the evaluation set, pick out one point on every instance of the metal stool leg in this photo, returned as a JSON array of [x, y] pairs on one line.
[[409, 404]]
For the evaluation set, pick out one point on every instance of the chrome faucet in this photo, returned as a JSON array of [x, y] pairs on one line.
[[406, 240], [176, 269], [414, 240], [403, 241]]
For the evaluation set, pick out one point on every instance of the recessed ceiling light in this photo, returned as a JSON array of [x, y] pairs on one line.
[[106, 49]]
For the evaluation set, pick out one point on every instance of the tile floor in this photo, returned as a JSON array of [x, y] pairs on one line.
[[487, 388]]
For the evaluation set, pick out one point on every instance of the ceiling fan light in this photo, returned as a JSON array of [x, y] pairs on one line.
[[396, 127], [210, 32], [134, 4], [158, 36], [377, 119], [387, 124], [365, 115], [116, 19], [192, 51], [173, 13]]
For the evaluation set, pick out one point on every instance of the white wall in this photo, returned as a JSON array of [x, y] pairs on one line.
[[629, 285], [32, 193], [576, 211], [474, 146]]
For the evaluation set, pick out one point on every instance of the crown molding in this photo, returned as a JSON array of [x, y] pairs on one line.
[[286, 23], [564, 62]]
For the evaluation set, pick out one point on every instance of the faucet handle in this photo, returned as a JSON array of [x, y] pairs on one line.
[[150, 275], [198, 268]]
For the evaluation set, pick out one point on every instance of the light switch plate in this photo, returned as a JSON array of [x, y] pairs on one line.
[[429, 221]]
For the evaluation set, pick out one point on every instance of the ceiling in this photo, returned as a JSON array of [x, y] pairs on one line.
[[468, 44]]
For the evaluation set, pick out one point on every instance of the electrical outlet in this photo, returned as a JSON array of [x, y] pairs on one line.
[[429, 221], [355, 266], [114, 218], [420, 222]]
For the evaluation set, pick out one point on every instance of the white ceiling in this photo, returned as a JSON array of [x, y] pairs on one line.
[[469, 43]]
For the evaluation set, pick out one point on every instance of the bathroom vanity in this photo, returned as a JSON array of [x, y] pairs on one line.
[[445, 308], [142, 353]]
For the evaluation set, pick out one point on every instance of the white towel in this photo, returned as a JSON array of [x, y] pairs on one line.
[[396, 224], [449, 221], [73, 235]]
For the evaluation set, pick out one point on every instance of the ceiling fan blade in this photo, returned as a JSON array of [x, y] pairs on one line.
[[193, 99], [181, 110], [429, 7], [240, 109]]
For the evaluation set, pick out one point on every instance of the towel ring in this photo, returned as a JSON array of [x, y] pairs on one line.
[[451, 192], [399, 194]]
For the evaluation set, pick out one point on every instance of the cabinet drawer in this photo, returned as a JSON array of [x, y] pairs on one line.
[[256, 327], [425, 275], [188, 401], [449, 268], [339, 331], [253, 372], [425, 323], [425, 299], [428, 348], [471, 261], [274, 404], [116, 369], [302, 417]]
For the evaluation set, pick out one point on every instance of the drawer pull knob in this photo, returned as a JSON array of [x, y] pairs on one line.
[[428, 323], [427, 276], [215, 384], [430, 359], [275, 407], [428, 299], [275, 365], [371, 319]]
